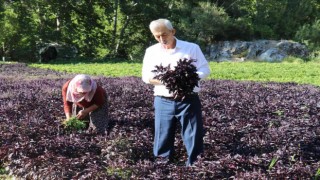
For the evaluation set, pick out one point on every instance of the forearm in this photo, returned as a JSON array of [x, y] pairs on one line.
[[67, 107], [83, 113], [68, 115], [91, 108], [204, 72], [155, 82]]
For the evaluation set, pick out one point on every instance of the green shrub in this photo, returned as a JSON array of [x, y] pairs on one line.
[[2, 170], [315, 56], [74, 124], [310, 35], [291, 59]]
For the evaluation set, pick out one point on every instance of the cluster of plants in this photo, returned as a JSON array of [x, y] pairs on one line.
[[252, 131], [74, 123], [181, 80]]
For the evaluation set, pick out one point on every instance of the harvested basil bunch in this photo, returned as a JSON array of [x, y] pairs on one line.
[[73, 124], [180, 81]]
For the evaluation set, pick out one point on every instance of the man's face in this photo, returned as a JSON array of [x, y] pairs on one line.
[[164, 36]]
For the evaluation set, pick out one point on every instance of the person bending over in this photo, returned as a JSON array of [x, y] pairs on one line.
[[84, 99]]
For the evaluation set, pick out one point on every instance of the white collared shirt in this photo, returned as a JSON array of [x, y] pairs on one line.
[[156, 55]]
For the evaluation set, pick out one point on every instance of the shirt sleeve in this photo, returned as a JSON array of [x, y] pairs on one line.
[[146, 67], [203, 69], [67, 106]]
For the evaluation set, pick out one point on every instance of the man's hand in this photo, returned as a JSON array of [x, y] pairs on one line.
[[177, 96], [155, 82]]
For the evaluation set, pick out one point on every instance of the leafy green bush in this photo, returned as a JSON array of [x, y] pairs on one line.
[[310, 35], [2, 170], [291, 59], [315, 56], [203, 27], [73, 124]]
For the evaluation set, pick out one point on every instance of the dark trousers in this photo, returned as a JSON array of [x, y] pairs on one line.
[[167, 113]]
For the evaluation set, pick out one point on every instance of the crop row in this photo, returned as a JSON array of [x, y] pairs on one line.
[[252, 131]]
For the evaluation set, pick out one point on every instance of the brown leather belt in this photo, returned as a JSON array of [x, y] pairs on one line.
[[169, 98], [179, 99]]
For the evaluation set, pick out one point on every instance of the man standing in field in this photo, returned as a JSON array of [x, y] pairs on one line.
[[168, 109]]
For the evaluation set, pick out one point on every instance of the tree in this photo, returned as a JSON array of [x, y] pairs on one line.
[[294, 15], [18, 33], [310, 35], [119, 28]]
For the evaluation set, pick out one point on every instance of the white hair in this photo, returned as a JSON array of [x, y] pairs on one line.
[[160, 22]]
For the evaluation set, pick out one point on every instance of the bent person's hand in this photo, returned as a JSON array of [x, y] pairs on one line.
[[82, 114]]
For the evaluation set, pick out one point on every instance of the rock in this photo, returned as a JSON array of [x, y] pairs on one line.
[[50, 51], [272, 55], [260, 50]]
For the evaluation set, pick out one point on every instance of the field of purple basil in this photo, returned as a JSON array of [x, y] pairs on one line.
[[252, 131]]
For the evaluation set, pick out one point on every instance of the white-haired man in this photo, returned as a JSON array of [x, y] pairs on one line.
[[168, 110]]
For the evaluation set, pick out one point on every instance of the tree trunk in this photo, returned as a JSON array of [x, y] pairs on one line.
[[121, 34], [115, 18]]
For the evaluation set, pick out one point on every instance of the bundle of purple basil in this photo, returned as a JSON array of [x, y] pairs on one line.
[[180, 81]]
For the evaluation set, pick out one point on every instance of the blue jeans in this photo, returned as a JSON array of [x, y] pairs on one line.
[[167, 113]]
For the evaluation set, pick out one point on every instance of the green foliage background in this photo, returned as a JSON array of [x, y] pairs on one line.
[[119, 29]]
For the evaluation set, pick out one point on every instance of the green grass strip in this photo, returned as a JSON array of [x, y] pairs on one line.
[[104, 69], [302, 73]]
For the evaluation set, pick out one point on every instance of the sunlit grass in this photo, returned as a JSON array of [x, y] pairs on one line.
[[302, 73], [298, 72], [100, 69]]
